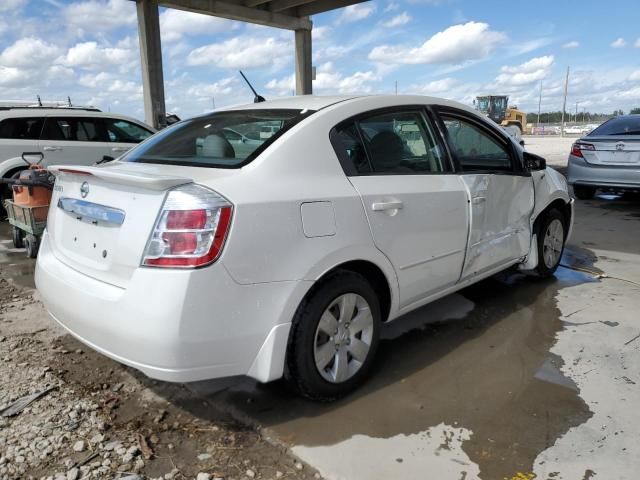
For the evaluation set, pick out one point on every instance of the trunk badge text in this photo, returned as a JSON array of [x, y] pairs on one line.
[[84, 189], [620, 146]]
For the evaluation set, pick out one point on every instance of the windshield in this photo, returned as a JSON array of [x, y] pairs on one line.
[[628, 125], [219, 140]]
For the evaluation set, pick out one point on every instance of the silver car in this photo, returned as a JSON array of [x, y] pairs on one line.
[[608, 158]]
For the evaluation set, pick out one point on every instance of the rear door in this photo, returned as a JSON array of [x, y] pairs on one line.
[[415, 204], [74, 140], [19, 135], [501, 192]]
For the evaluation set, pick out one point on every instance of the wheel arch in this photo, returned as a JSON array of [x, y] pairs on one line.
[[563, 207]]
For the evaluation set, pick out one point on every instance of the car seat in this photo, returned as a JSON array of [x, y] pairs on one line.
[[387, 151], [215, 145]]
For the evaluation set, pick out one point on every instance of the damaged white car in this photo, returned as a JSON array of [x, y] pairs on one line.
[[190, 259]]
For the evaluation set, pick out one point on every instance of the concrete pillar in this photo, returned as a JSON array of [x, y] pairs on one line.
[[303, 62], [151, 62]]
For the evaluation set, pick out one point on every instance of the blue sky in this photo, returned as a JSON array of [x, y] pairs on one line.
[[88, 49]]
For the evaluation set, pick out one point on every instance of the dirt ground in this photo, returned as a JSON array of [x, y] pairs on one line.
[[102, 420]]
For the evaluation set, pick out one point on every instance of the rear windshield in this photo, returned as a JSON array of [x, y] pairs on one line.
[[629, 125], [219, 140]]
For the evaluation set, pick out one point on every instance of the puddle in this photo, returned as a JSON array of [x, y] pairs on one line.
[[478, 360], [14, 263]]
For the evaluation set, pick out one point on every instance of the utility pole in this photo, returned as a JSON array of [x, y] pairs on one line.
[[539, 103], [564, 104], [396, 87]]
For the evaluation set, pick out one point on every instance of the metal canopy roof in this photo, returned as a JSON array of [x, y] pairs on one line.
[[288, 14]]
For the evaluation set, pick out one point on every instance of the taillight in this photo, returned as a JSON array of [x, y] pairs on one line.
[[191, 228], [576, 148]]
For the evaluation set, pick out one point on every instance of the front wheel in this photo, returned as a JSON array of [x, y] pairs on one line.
[[551, 235], [334, 337], [17, 236]]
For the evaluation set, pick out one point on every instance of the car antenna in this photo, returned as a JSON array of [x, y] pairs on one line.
[[257, 98], [69, 101], [39, 101]]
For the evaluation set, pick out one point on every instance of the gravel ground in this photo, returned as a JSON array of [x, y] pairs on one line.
[[99, 419]]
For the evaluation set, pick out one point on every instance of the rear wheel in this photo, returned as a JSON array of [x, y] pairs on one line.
[[17, 236], [551, 236], [334, 337], [31, 243], [584, 193]]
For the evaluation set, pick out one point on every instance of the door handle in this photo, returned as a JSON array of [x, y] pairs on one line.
[[119, 149], [382, 206], [51, 149], [478, 200]]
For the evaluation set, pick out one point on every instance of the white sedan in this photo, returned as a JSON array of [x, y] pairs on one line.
[[190, 260]]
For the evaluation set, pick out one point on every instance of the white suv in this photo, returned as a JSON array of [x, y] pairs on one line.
[[188, 259], [73, 136]]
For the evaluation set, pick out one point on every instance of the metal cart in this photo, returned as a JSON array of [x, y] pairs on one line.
[[28, 223]]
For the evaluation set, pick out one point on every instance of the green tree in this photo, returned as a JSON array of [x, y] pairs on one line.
[[634, 111]]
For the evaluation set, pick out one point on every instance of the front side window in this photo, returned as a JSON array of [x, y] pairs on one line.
[[125, 132], [395, 142], [475, 149], [220, 140], [75, 129], [22, 128]]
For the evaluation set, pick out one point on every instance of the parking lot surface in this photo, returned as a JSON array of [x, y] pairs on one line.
[[511, 378]]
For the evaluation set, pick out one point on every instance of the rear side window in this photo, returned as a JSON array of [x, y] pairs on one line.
[[25, 128], [628, 125], [220, 140], [476, 149], [125, 132], [390, 143], [76, 129]]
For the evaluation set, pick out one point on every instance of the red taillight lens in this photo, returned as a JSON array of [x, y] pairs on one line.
[[186, 219], [189, 237], [576, 149]]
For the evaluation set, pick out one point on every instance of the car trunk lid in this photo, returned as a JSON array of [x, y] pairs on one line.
[[101, 217], [618, 150]]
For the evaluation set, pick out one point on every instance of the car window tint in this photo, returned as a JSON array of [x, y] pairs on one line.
[[125, 132], [228, 139], [25, 128], [75, 129], [625, 125], [401, 142], [352, 148], [475, 149]]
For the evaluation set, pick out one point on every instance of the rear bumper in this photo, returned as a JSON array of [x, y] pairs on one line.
[[174, 325], [581, 173]]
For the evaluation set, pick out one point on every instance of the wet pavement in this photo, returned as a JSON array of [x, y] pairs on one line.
[[511, 377]]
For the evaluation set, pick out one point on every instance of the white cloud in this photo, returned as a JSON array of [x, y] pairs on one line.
[[90, 55], [208, 90], [635, 76], [101, 16], [528, 72], [12, 5], [572, 44], [619, 43], [397, 21], [391, 6], [176, 23], [12, 77], [327, 81], [455, 45], [28, 52], [320, 33], [354, 13], [242, 52], [437, 86], [637, 44]]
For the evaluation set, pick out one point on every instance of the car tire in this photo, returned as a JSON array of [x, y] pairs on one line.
[[327, 357], [584, 193], [17, 236], [551, 235]]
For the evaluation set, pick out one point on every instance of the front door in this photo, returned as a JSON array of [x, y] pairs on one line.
[[501, 194], [416, 206]]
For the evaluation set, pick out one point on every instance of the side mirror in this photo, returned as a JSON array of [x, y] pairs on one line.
[[521, 142], [533, 162]]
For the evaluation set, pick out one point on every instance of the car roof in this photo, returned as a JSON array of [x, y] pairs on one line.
[[314, 102], [61, 112]]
